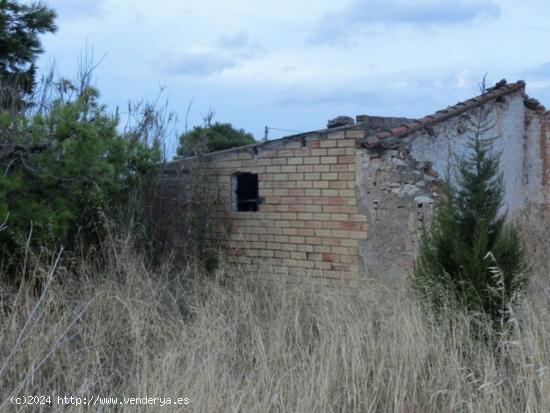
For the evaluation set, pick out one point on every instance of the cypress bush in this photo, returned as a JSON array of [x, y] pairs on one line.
[[470, 255]]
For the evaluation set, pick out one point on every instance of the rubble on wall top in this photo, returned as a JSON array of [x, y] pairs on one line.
[[375, 124], [534, 104], [340, 121], [386, 132], [390, 138]]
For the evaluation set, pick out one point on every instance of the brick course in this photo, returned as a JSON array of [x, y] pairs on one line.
[[308, 223]]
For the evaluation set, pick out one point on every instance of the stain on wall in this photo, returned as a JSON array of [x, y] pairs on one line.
[[397, 194]]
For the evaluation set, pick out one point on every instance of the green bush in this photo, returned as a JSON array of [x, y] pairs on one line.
[[470, 255], [64, 170]]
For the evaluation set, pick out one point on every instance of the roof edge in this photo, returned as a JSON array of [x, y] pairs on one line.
[[387, 139], [267, 144]]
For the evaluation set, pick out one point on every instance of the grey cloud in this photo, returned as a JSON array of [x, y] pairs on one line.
[[364, 14], [295, 97], [196, 64], [384, 93], [228, 52], [416, 100], [241, 44], [235, 41]]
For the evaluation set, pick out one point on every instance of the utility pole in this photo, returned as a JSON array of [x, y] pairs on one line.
[[267, 128]]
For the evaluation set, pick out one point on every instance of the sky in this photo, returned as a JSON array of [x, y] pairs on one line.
[[294, 65]]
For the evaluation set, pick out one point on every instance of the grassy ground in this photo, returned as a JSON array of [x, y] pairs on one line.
[[252, 347]]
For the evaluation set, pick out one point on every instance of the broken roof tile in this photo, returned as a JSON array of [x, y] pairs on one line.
[[502, 88], [383, 134], [399, 130], [426, 119]]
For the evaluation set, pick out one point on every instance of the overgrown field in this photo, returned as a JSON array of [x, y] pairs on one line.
[[121, 330]]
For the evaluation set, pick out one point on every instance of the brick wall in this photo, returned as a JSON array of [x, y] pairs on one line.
[[308, 224]]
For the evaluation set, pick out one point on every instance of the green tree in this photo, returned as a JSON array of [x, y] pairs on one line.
[[65, 170], [212, 137], [470, 254], [20, 27]]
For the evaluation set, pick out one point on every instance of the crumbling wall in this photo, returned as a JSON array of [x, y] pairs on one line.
[[397, 194], [446, 142], [166, 202], [522, 140], [398, 187], [544, 145], [536, 217], [335, 212], [536, 168], [181, 204]]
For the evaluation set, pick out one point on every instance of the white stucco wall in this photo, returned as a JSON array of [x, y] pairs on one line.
[[506, 120], [397, 188]]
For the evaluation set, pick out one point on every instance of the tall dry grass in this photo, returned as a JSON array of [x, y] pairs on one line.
[[242, 346]]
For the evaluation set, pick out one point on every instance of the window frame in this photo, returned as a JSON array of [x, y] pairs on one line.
[[236, 203]]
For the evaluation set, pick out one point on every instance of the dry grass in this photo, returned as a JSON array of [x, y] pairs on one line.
[[250, 347]]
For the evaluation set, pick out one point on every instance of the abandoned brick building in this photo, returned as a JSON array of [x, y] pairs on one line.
[[343, 203]]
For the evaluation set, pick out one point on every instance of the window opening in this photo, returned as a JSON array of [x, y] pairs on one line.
[[245, 192]]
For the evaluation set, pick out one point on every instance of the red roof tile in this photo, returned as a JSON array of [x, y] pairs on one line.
[[427, 121]]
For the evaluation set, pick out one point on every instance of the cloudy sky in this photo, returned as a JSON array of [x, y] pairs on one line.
[[294, 64]]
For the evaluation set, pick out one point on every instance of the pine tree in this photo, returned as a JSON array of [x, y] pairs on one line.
[[67, 169], [20, 26], [470, 254]]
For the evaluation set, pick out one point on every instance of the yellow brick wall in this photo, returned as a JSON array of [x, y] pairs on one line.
[[308, 224]]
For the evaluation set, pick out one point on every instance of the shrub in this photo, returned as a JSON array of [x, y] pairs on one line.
[[66, 168], [470, 254]]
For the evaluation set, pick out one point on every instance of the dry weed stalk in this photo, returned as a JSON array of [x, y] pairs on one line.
[[128, 331]]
